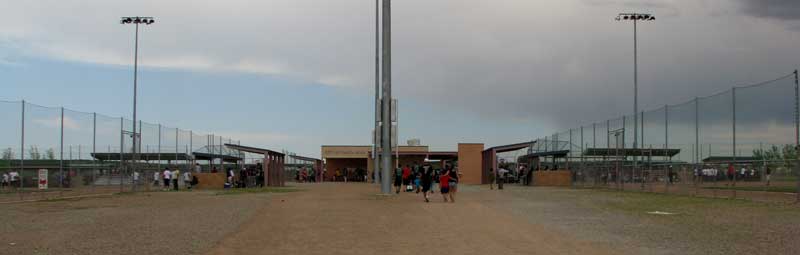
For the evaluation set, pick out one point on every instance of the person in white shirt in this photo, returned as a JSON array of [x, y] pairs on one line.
[[13, 177], [501, 177], [231, 174], [743, 173], [5, 180], [187, 180], [166, 177], [135, 177], [197, 168], [156, 176], [176, 175]]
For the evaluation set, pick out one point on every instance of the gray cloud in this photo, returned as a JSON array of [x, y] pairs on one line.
[[557, 63], [776, 9]]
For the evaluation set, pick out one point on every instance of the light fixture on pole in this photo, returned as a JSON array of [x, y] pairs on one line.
[[635, 17], [136, 21]]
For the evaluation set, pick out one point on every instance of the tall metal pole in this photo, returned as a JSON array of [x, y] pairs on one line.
[[666, 144], [797, 129], [121, 151], [697, 130], [190, 150], [733, 123], [376, 165], [159, 148], [386, 102], [635, 95], [94, 147], [135, 76], [61, 159], [22, 149]]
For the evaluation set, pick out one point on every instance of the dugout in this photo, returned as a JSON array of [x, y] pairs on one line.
[[273, 165]]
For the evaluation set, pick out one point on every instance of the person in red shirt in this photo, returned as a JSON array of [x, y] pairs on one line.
[[444, 184], [731, 172], [407, 176]]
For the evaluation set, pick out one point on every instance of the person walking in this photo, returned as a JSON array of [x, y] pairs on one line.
[[166, 176], [187, 180], [491, 178], [230, 176], [5, 182], [135, 178], [176, 175], [426, 180], [444, 184], [769, 174], [398, 179], [453, 182], [156, 178], [407, 177], [501, 177], [15, 179]]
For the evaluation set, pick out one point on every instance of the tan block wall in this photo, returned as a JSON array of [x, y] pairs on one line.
[[470, 160], [210, 180], [552, 178]]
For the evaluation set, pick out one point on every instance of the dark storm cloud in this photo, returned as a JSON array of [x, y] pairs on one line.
[[775, 9]]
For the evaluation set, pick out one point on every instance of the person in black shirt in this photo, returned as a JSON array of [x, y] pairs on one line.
[[453, 183], [426, 180]]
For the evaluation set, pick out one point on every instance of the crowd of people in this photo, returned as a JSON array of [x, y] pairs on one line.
[[348, 174], [10, 180], [746, 173], [425, 179], [171, 178]]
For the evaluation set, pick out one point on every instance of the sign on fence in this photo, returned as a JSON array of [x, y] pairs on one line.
[[42, 178]]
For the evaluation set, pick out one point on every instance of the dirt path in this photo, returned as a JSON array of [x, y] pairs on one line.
[[350, 219]]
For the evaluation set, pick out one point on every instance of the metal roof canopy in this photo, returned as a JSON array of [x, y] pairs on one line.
[[556, 154], [210, 156], [304, 158], [631, 152], [142, 156], [253, 150], [511, 147], [726, 159]]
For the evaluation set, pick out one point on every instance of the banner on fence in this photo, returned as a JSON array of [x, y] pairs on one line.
[[42, 178]]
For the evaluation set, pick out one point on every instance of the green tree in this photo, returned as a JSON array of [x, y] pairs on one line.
[[8, 154], [34, 153], [51, 154]]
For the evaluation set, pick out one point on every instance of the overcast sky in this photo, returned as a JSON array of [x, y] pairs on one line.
[[296, 74]]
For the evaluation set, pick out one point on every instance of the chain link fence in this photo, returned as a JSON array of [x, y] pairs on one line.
[[740, 143], [77, 153]]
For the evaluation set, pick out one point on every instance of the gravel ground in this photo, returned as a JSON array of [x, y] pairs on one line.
[[699, 226], [337, 218], [142, 223]]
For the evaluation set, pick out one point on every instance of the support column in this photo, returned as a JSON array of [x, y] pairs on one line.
[[386, 102]]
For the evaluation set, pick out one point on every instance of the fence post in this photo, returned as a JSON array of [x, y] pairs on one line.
[[641, 145], [121, 151], [583, 162], [191, 148], [221, 156], [666, 145], [22, 151], [94, 148], [733, 104], [176, 148], [797, 131], [61, 160], [159, 149]]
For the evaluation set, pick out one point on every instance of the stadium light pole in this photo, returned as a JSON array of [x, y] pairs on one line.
[[376, 165], [386, 102], [136, 21], [635, 17]]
